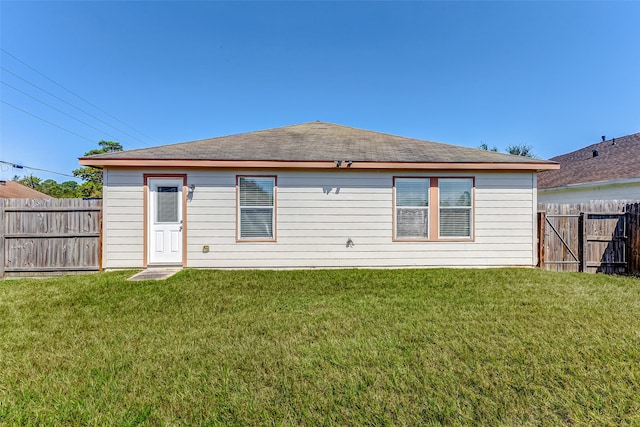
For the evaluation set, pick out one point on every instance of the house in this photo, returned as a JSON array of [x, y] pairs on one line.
[[317, 195], [607, 170], [15, 190]]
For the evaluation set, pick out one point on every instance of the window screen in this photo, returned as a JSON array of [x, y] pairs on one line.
[[256, 206], [455, 206], [412, 208]]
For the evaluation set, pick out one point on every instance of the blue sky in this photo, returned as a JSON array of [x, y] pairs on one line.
[[553, 75]]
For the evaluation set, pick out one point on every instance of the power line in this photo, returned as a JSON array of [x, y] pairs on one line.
[[46, 121], [76, 95], [58, 110], [17, 166], [71, 105]]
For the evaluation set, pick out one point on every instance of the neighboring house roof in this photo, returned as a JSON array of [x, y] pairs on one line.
[[314, 145], [616, 159], [15, 190]]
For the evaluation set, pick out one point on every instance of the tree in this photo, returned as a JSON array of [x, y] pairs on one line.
[[521, 150], [516, 149], [50, 187], [30, 181], [92, 177], [69, 189], [485, 147], [65, 190]]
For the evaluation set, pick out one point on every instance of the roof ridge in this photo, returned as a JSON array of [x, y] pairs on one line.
[[319, 141], [605, 143]]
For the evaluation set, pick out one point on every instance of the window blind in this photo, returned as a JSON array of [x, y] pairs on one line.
[[256, 207], [412, 208], [167, 204], [455, 206]]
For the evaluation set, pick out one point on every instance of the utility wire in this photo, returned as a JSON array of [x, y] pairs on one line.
[[46, 121], [78, 96], [15, 165], [71, 105], [58, 110]]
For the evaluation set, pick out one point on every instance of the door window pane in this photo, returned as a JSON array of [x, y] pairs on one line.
[[167, 204]]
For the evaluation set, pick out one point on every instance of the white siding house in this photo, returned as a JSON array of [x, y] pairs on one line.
[[360, 213], [608, 170], [624, 189]]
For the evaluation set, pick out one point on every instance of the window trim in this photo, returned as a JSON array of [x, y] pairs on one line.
[[434, 211], [239, 239]]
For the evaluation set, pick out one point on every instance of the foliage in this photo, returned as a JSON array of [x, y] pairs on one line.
[[322, 347], [516, 149], [485, 147], [521, 150], [92, 177], [67, 189], [29, 181]]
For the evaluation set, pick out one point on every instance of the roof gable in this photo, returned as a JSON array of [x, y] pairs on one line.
[[313, 142], [614, 159]]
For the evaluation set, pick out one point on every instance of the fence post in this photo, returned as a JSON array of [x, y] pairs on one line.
[[542, 218], [632, 211], [100, 240], [2, 231], [582, 241], [627, 242]]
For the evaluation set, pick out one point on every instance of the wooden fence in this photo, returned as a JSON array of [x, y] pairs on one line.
[[49, 236], [598, 236]]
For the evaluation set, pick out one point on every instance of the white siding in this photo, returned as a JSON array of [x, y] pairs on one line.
[[621, 191], [122, 219], [316, 213]]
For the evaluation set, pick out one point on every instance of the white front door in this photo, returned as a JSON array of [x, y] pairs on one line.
[[165, 220]]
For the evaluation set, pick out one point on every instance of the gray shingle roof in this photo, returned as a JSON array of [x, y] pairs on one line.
[[617, 158], [318, 141]]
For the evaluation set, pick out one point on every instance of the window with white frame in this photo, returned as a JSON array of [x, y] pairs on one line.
[[455, 204], [256, 207], [412, 208]]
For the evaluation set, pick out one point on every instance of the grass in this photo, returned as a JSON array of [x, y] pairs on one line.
[[383, 347]]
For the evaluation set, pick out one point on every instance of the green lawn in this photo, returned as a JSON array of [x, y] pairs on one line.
[[414, 347]]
